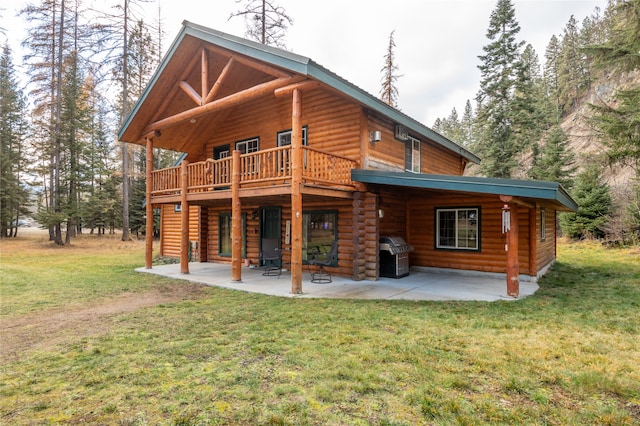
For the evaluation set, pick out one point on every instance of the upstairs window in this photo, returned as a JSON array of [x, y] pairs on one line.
[[284, 137], [248, 145], [412, 155], [458, 228]]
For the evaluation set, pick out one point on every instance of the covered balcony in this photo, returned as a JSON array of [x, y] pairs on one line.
[[267, 171]]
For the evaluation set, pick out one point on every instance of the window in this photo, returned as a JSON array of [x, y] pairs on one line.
[[224, 242], [248, 145], [177, 208], [412, 155], [220, 152], [543, 225], [284, 137], [458, 228], [319, 231]]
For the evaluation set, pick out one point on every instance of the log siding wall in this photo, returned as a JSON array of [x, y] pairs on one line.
[[492, 255], [346, 247], [171, 228]]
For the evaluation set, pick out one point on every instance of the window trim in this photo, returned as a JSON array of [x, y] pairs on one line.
[[410, 148], [305, 132], [335, 229], [436, 225], [255, 138], [543, 224], [244, 234]]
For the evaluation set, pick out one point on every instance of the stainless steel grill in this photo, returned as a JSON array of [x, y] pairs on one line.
[[394, 257]]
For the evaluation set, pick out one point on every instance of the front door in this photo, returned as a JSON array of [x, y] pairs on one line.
[[270, 224]]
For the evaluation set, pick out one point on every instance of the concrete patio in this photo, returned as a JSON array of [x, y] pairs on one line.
[[419, 285]]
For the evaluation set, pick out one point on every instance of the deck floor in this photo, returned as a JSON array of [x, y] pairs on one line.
[[419, 285]]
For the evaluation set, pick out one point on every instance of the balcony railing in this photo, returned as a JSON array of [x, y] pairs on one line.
[[257, 167]]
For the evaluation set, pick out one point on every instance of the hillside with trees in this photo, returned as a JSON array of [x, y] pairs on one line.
[[574, 119]]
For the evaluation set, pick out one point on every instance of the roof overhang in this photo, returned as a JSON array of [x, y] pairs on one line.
[[551, 192], [296, 64]]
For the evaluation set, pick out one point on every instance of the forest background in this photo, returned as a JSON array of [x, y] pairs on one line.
[[573, 119]]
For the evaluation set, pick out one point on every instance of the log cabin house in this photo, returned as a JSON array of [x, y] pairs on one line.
[[278, 147]]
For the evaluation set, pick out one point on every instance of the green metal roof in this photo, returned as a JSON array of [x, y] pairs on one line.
[[548, 191], [301, 65]]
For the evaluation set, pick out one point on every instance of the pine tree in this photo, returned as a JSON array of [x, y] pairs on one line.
[[530, 116], [266, 22], [389, 91], [552, 59], [620, 120], [594, 200], [572, 75], [499, 71], [554, 161], [467, 126], [13, 194]]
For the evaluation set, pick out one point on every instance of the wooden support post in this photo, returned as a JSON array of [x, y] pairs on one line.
[[513, 270], [148, 253], [204, 69], [533, 241], [236, 219], [296, 194], [184, 218]]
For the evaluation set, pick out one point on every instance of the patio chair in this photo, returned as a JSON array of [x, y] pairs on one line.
[[270, 255], [320, 275]]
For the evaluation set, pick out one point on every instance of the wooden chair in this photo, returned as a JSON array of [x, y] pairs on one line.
[[270, 255], [320, 275]]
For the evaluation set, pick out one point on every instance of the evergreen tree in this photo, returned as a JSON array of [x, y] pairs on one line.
[[266, 22], [499, 72], [389, 91], [620, 120], [572, 75], [530, 115], [467, 126], [13, 193], [552, 90], [594, 200], [554, 161]]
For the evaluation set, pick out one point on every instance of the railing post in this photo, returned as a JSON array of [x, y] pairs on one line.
[[184, 216], [148, 252], [236, 219]]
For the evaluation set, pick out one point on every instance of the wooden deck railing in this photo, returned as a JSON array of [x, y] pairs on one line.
[[257, 167]]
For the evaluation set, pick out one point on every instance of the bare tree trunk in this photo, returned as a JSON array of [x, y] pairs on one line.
[[57, 151], [125, 111]]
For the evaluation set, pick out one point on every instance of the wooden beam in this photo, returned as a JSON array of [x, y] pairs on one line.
[[226, 102], [148, 253], [218, 84], [191, 92], [236, 219], [515, 200], [303, 85], [296, 195], [533, 241], [364, 139], [250, 62], [204, 71], [184, 219], [513, 270]]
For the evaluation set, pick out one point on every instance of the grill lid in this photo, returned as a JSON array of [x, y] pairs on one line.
[[394, 245]]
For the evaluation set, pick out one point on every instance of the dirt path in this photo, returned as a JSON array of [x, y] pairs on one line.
[[46, 329]]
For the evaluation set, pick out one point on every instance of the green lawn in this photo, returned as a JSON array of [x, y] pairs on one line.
[[568, 355]]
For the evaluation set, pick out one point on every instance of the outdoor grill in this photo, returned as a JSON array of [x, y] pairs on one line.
[[394, 257]]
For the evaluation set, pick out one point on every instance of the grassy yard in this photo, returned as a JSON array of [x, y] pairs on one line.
[[568, 355]]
